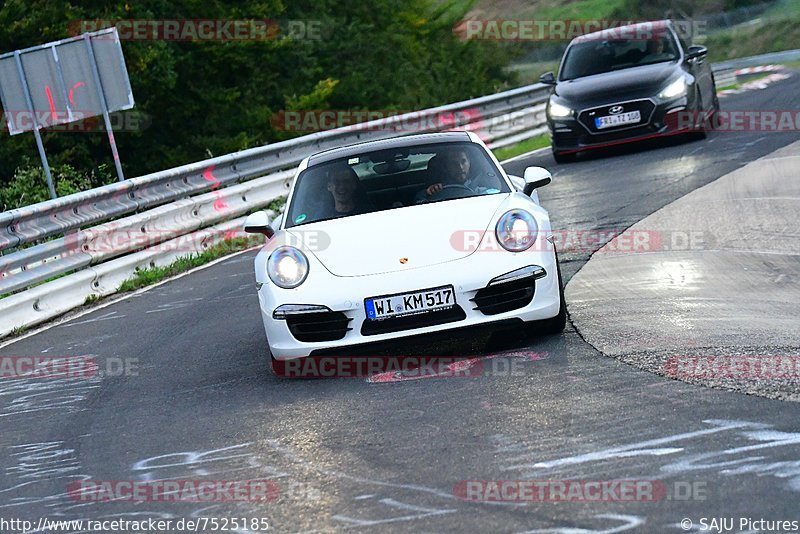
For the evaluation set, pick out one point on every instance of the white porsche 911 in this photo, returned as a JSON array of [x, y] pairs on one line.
[[405, 236]]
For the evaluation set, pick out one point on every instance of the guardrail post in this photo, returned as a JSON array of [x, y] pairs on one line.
[[101, 97]]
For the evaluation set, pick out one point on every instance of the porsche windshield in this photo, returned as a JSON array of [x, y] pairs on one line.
[[596, 56], [393, 178]]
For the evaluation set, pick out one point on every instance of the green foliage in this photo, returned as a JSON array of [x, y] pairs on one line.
[[769, 35], [29, 186], [277, 204], [152, 275], [214, 97], [528, 145]]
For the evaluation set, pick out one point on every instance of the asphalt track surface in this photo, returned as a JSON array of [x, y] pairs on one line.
[[384, 457]]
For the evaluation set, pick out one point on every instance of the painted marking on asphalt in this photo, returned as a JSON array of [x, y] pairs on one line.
[[421, 512], [37, 466], [27, 395], [629, 522], [194, 461], [175, 305], [110, 316], [680, 459]]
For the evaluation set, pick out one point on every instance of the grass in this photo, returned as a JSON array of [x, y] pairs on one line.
[[778, 29], [737, 85], [152, 275], [545, 9], [507, 152], [529, 72], [17, 331], [583, 10]]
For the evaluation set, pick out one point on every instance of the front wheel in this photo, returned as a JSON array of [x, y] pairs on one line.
[[699, 130], [561, 157]]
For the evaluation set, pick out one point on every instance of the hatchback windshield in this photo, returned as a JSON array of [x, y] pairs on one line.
[[393, 178], [596, 56]]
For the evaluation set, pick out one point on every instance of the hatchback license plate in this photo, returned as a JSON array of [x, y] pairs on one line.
[[608, 121]]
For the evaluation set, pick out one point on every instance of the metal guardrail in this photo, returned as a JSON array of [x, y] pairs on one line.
[[58, 216], [162, 207]]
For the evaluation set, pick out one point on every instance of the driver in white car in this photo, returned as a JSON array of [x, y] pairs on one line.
[[456, 168]]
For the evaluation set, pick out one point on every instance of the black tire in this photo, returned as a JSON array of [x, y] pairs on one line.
[[712, 119], [554, 325], [560, 157], [699, 130]]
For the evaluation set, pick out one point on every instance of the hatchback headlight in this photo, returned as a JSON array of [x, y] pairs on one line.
[[287, 267], [516, 230], [675, 89], [557, 110]]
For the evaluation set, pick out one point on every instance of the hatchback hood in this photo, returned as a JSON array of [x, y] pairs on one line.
[[636, 82], [423, 235]]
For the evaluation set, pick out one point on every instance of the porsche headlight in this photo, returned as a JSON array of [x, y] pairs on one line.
[[516, 230], [287, 267], [675, 89], [557, 110]]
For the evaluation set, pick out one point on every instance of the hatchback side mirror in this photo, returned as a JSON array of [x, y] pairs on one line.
[[548, 78], [696, 51], [258, 223], [536, 177]]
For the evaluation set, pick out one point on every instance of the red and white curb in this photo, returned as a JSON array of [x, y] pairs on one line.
[[778, 74]]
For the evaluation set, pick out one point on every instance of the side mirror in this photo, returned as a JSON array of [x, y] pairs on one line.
[[536, 177], [548, 78], [696, 51], [258, 223]]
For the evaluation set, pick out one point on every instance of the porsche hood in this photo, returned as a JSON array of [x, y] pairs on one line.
[[401, 239]]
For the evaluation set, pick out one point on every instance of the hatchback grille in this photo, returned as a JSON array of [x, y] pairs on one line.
[[645, 108]]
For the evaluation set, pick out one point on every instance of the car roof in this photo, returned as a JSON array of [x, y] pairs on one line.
[[616, 30], [384, 144]]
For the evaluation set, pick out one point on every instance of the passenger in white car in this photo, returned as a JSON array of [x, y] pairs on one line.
[[346, 192]]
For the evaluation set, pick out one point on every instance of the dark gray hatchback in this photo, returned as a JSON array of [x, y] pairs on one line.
[[627, 84]]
